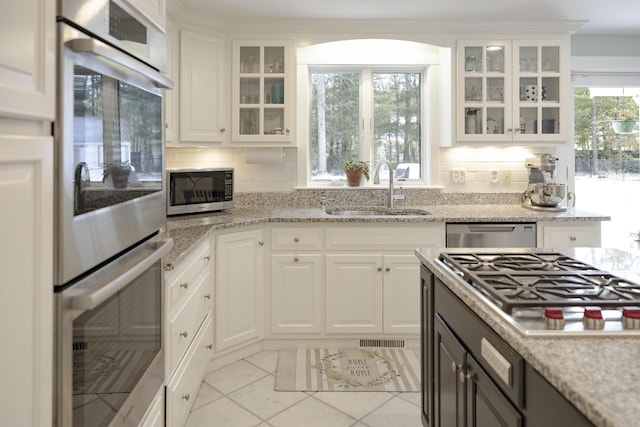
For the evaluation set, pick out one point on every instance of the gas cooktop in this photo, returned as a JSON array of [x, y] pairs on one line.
[[549, 291]]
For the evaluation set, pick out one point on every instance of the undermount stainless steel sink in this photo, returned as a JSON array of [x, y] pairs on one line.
[[376, 211]]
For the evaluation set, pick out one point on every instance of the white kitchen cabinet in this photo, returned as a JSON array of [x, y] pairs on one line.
[[202, 109], [370, 276], [239, 296], [172, 96], [573, 235], [296, 293], [185, 383], [26, 262], [27, 59], [154, 10], [401, 313], [262, 92], [354, 293], [188, 339], [513, 91]]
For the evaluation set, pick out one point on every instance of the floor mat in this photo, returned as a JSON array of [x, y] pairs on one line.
[[362, 369]]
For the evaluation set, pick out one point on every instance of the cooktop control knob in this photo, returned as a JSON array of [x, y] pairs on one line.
[[555, 317], [593, 318], [631, 317]]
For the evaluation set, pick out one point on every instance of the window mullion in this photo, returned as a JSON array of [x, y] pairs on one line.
[[366, 115]]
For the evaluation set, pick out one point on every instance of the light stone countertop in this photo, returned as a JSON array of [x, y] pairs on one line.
[[598, 375], [188, 230]]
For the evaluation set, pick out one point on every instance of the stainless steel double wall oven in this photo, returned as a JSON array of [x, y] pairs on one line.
[[110, 208]]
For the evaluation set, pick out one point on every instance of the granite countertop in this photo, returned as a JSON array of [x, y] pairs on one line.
[[188, 230], [597, 374]]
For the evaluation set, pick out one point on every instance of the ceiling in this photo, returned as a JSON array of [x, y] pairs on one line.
[[618, 17]]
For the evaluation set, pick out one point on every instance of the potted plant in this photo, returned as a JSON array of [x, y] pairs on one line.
[[624, 123], [355, 170], [119, 173]]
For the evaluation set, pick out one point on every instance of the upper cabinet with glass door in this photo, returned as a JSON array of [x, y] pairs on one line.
[[262, 93], [541, 90], [484, 86], [515, 91]]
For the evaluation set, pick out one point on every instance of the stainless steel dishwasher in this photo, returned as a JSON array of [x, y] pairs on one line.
[[491, 235]]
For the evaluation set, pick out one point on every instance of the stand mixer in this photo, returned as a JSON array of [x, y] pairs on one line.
[[542, 193]]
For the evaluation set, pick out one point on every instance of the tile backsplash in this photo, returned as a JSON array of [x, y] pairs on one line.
[[274, 169]]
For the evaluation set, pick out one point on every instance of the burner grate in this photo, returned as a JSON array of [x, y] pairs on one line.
[[531, 280]]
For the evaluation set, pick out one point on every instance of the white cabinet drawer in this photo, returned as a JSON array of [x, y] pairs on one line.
[[381, 238], [181, 281], [155, 414], [184, 324], [184, 385], [296, 238], [571, 236]]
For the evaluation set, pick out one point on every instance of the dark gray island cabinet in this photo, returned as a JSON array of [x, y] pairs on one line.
[[472, 377]]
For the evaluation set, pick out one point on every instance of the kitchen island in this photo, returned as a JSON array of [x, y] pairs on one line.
[[594, 372]]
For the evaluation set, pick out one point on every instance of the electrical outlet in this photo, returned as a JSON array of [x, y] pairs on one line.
[[457, 176], [495, 176], [506, 177]]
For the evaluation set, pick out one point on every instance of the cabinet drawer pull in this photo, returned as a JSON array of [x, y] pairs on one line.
[[387, 269], [184, 285], [454, 367], [296, 239], [379, 268], [186, 397], [184, 334], [209, 347], [261, 243], [223, 130], [207, 257], [462, 377], [573, 238], [207, 296], [295, 259]]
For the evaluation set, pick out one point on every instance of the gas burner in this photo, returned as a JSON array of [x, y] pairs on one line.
[[525, 286], [551, 261]]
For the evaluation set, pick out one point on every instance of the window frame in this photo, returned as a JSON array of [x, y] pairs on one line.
[[366, 106]]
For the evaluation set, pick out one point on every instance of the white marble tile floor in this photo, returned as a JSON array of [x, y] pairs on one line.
[[242, 395]]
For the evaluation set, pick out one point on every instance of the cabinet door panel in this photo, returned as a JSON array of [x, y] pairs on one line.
[[239, 288], [486, 405], [449, 361], [354, 293], [201, 71], [401, 302], [296, 293]]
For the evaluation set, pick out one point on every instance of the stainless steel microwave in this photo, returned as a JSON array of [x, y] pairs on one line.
[[199, 190]]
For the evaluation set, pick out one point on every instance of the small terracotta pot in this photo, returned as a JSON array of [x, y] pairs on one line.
[[354, 178]]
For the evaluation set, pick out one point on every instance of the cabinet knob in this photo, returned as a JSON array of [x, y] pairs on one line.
[[295, 259], [186, 397], [509, 129], [209, 347], [184, 334], [207, 257], [573, 238], [222, 130], [296, 239], [184, 285], [454, 367], [462, 377], [287, 130], [207, 296], [261, 243], [379, 268], [387, 269]]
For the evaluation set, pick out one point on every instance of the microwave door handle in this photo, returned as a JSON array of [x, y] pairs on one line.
[[103, 50], [96, 295]]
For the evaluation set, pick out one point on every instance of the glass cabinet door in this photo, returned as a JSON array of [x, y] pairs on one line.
[[485, 89], [538, 106], [261, 94]]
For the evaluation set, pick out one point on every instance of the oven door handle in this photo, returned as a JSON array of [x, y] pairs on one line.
[[103, 50], [94, 295]]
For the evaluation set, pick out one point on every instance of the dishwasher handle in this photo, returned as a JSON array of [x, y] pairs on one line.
[[491, 228]]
